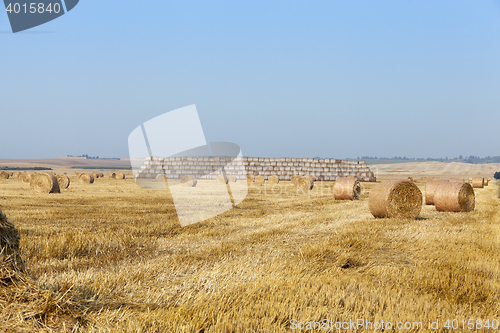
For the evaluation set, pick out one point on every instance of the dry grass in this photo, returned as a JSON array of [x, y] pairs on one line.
[[278, 256]]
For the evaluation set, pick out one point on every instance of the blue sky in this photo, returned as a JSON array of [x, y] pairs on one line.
[[330, 78]]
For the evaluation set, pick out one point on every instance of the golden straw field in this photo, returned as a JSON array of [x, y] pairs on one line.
[[114, 259]]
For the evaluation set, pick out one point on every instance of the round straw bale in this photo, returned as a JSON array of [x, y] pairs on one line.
[[395, 199], [346, 189], [101, 174], [86, 178], [294, 179], [273, 180], [477, 182], [454, 197], [485, 181], [305, 183], [16, 174], [250, 178], [222, 179], [63, 180], [112, 175], [189, 181], [430, 188], [26, 177], [232, 179], [95, 174], [259, 180], [4, 175], [44, 183], [120, 175]]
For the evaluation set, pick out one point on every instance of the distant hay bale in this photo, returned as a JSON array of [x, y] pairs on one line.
[[16, 174], [120, 175], [101, 174], [86, 178], [232, 179], [4, 175], [44, 183], [259, 180], [486, 182], [454, 197], [346, 189], [112, 175], [26, 177], [222, 179], [489, 179], [305, 183], [395, 199], [273, 180], [250, 178], [189, 181], [95, 174], [477, 182], [294, 179], [63, 181], [430, 189]]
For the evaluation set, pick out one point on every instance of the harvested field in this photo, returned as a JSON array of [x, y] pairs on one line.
[[113, 257]]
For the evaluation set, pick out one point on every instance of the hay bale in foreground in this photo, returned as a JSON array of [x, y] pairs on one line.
[[430, 189], [232, 179], [26, 176], [222, 179], [477, 182], [305, 183], [273, 180], [347, 189], [396, 199], [120, 175], [259, 180], [4, 175], [63, 181], [454, 197], [44, 183], [189, 181], [86, 178], [250, 178]]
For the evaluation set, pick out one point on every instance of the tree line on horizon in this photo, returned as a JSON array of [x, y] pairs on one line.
[[471, 159]]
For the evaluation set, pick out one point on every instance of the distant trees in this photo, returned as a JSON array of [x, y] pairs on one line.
[[497, 175]]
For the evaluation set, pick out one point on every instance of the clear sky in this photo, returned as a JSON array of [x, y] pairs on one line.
[[278, 77]]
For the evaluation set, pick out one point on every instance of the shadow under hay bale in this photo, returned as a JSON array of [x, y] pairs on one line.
[[189, 181], [63, 181], [454, 197], [273, 180], [430, 189], [395, 199], [44, 183], [86, 178], [346, 189], [477, 182]]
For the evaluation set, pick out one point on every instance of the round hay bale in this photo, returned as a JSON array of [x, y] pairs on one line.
[[250, 178], [477, 182], [294, 179], [44, 183], [232, 179], [16, 174], [26, 176], [305, 183], [395, 199], [120, 175], [63, 181], [86, 178], [486, 182], [273, 180], [222, 179], [189, 181], [346, 189], [454, 197], [4, 175], [101, 174], [430, 189], [112, 175], [95, 174], [259, 180]]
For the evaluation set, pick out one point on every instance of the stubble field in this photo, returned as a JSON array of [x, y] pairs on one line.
[[115, 259]]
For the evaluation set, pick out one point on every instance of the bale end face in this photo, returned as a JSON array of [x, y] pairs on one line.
[[44, 183], [86, 178], [477, 182], [273, 180], [347, 189], [396, 199], [305, 183], [259, 180], [63, 181], [454, 197]]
